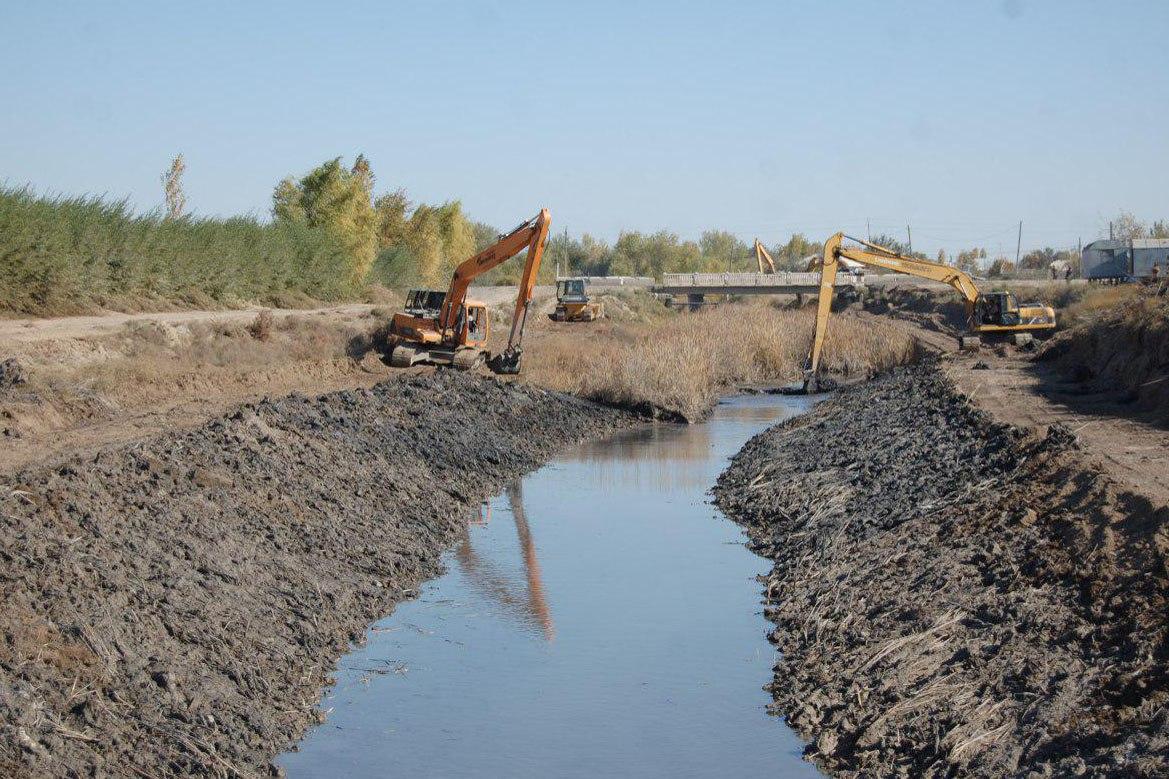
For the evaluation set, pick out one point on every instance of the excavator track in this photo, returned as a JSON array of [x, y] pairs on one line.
[[467, 359], [402, 357]]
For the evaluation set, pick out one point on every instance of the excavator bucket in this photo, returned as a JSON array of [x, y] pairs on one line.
[[506, 363]]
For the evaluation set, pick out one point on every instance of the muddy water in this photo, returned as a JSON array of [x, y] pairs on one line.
[[600, 618]]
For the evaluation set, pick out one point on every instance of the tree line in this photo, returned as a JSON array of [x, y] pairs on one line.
[[395, 242], [332, 236]]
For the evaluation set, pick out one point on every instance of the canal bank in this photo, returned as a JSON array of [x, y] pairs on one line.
[[175, 606], [952, 596]]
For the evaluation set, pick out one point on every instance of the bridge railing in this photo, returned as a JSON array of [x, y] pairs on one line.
[[780, 279], [613, 281]]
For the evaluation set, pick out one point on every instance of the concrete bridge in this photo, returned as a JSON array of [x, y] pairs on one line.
[[696, 286]]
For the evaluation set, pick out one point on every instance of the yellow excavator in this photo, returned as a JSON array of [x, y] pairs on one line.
[[762, 256], [573, 304], [447, 328], [988, 314]]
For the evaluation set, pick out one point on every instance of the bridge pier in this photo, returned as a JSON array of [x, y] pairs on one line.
[[695, 300]]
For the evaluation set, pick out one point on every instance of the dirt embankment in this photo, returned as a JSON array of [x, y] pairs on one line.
[[174, 607], [1123, 349], [953, 597]]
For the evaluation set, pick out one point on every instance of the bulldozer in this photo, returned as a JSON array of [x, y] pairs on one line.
[[989, 315], [573, 304], [448, 328]]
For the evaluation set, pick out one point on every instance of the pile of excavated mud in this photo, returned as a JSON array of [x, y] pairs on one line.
[[174, 607], [952, 597]]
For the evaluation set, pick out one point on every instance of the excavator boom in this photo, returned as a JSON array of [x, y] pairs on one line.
[[762, 256], [530, 235]]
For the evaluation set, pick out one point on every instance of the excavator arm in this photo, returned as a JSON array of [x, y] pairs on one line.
[[531, 235], [880, 257], [762, 256]]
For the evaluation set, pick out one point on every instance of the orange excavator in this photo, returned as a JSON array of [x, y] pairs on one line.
[[447, 328]]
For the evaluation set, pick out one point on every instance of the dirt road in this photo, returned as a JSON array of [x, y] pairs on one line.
[[18, 331], [1018, 391], [1021, 393], [15, 331]]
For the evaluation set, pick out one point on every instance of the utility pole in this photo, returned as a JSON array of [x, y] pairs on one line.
[[1019, 244], [1110, 231], [868, 230], [910, 234]]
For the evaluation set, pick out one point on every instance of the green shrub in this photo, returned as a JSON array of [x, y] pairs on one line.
[[73, 255]]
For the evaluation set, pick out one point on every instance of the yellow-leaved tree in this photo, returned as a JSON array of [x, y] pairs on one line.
[[339, 201]]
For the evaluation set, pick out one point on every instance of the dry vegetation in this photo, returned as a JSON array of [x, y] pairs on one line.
[[679, 369], [153, 369]]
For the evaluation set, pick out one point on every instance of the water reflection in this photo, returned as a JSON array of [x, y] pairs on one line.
[[673, 457], [530, 606]]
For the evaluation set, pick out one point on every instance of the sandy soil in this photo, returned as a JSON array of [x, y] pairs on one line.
[[1130, 451], [1016, 389], [22, 331]]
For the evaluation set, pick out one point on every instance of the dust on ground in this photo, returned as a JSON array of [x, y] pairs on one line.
[[174, 606], [953, 595]]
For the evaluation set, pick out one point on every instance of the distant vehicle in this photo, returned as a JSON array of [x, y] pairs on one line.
[[573, 303], [763, 256]]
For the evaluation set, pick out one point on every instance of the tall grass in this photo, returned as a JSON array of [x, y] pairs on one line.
[[73, 255], [682, 366]]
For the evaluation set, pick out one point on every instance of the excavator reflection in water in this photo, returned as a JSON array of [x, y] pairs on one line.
[[531, 607]]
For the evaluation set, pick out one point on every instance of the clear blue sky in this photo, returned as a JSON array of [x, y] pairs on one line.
[[757, 117]]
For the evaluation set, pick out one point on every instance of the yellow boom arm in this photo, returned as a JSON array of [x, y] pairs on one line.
[[761, 256], [880, 257]]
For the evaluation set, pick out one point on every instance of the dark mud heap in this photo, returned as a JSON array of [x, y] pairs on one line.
[[175, 607], [952, 598]]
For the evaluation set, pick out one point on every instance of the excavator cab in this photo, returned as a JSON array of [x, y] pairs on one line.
[[997, 308], [478, 324]]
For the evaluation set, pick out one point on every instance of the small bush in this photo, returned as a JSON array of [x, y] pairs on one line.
[[261, 326]]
